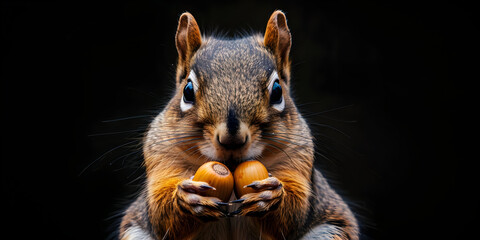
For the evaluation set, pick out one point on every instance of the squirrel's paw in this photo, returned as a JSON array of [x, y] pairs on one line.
[[203, 207], [269, 195]]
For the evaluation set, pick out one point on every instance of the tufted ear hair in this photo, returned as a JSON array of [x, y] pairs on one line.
[[279, 40], [188, 39]]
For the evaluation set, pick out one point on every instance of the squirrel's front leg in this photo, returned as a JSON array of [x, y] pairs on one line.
[[202, 207], [268, 197], [178, 211], [278, 204]]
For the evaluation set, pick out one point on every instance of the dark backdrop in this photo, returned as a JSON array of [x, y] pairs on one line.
[[381, 85]]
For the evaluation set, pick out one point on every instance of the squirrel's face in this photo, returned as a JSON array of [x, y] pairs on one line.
[[232, 92], [232, 95]]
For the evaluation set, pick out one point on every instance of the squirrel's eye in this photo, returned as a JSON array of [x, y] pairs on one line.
[[188, 93], [188, 99], [276, 95]]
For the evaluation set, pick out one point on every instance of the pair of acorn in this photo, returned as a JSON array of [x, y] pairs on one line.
[[219, 176]]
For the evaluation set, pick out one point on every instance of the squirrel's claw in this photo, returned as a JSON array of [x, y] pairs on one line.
[[238, 200], [203, 207], [194, 186], [260, 203], [269, 183], [223, 204]]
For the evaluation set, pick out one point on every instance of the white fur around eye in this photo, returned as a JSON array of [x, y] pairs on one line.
[[184, 106], [274, 77]]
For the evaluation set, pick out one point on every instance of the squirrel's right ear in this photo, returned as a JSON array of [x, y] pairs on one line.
[[279, 40], [188, 39]]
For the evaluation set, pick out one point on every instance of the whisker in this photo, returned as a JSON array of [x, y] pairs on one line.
[[113, 133], [287, 135], [308, 114], [332, 109], [281, 139], [276, 147], [192, 147], [177, 138], [166, 233], [188, 140], [124, 157], [322, 148], [300, 146], [339, 120], [325, 157], [331, 127], [104, 154], [126, 118], [133, 172], [336, 142], [199, 150]]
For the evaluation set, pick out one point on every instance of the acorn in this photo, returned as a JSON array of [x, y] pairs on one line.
[[218, 176], [246, 173]]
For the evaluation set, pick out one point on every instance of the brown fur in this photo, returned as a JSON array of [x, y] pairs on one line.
[[187, 40], [295, 202], [278, 40]]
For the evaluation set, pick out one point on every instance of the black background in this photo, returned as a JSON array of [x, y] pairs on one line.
[[382, 85]]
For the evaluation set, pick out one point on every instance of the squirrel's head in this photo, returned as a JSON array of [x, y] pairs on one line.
[[232, 100]]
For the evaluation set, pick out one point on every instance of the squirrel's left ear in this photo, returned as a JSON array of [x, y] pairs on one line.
[[188, 39], [279, 40]]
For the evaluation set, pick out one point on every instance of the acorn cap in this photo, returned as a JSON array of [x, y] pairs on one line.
[[218, 176]]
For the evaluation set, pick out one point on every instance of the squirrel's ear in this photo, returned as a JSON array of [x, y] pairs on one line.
[[188, 39], [278, 38]]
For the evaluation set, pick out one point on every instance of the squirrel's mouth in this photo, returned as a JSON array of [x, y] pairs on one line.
[[229, 155], [231, 145], [232, 157]]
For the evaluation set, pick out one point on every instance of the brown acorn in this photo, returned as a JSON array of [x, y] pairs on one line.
[[218, 176], [246, 173]]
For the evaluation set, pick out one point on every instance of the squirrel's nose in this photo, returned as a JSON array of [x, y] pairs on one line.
[[232, 135], [232, 142]]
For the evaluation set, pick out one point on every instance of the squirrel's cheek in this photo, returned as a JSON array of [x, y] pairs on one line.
[[209, 151]]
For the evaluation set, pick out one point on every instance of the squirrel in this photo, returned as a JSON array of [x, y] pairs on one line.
[[232, 103]]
